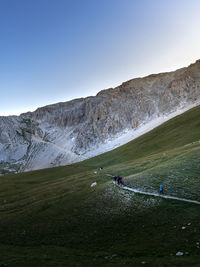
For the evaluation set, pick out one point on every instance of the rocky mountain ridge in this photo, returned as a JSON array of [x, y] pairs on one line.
[[66, 132]]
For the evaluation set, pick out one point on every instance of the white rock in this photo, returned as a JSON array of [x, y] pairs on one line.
[[93, 184], [183, 227], [179, 253]]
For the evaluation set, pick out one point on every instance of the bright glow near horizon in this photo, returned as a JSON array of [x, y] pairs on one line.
[[53, 51]]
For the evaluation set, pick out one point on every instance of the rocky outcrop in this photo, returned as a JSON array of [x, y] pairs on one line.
[[63, 133]]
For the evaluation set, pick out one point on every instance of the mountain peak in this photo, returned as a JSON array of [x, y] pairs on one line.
[[67, 132]]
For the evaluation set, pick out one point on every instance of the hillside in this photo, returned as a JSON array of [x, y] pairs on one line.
[[52, 217], [72, 131]]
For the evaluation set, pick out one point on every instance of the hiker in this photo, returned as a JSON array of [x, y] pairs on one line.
[[115, 179], [120, 180], [161, 189]]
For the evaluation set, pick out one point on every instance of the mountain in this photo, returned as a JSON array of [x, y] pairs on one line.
[[53, 217], [71, 131]]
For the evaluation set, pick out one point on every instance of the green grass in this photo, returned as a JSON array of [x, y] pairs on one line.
[[53, 217]]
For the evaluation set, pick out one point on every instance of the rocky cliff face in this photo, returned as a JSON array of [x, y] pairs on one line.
[[65, 132]]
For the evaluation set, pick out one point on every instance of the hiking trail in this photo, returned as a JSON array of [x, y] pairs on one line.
[[157, 195], [160, 195]]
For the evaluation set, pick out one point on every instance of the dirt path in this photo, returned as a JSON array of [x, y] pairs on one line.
[[156, 194], [160, 195]]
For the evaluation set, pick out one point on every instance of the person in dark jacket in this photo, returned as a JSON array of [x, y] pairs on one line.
[[115, 179], [120, 180]]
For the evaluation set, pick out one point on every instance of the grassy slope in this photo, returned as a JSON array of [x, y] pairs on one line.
[[53, 217]]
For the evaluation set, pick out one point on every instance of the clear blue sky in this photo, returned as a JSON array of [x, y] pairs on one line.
[[57, 50]]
